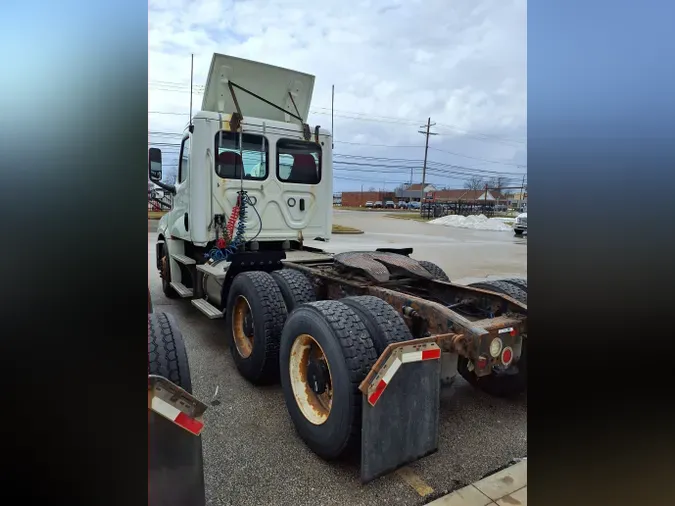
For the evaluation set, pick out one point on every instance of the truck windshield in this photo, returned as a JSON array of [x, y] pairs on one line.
[[253, 156], [298, 161]]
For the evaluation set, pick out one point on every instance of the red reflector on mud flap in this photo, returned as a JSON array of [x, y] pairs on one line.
[[431, 354], [175, 415], [407, 355], [376, 394]]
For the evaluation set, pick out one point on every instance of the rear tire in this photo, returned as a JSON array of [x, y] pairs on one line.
[[165, 274], [167, 356], [519, 282], [518, 233], [508, 382], [349, 354], [383, 323], [502, 286], [295, 288], [175, 458], [434, 270], [253, 332]]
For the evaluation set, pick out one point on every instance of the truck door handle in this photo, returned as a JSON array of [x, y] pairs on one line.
[[185, 222], [302, 204]]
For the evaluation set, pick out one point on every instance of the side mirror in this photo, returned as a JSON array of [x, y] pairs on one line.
[[155, 164]]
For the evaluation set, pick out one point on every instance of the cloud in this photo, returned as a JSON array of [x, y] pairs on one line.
[[462, 63]]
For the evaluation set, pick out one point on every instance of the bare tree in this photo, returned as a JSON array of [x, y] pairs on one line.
[[497, 183], [372, 189], [474, 183]]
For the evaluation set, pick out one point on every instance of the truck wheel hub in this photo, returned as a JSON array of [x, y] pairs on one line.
[[317, 376]]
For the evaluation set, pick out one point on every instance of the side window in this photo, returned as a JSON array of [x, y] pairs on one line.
[[298, 162], [252, 159], [184, 162]]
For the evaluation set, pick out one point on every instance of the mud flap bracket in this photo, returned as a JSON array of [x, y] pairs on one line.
[[401, 398]]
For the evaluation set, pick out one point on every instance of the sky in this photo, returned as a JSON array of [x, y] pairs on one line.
[[393, 64]]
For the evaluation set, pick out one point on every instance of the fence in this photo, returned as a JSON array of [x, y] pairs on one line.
[[431, 210], [159, 200]]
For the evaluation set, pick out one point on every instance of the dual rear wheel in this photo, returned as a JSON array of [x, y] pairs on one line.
[[322, 350], [319, 350]]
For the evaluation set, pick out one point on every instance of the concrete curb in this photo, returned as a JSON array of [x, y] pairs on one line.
[[506, 487]]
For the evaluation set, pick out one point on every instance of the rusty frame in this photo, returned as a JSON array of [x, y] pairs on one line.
[[422, 308]]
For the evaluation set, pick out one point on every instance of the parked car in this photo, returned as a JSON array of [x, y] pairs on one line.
[[389, 204], [520, 226], [414, 205], [369, 204], [402, 204], [378, 204]]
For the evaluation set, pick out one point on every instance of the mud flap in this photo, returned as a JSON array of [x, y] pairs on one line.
[[400, 407], [175, 458]]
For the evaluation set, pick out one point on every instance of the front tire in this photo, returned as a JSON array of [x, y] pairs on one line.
[[325, 354], [165, 273], [519, 233]]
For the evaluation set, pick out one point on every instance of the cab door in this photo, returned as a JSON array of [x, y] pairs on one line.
[[180, 226]]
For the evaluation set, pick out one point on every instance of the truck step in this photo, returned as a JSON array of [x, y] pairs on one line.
[[218, 272], [207, 308], [185, 260], [181, 289]]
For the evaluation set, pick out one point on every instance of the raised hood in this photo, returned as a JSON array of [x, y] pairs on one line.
[[267, 81]]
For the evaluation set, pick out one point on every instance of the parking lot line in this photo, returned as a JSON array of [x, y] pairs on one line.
[[415, 481]]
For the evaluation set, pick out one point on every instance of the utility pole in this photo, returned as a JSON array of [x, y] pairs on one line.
[[522, 191], [427, 133]]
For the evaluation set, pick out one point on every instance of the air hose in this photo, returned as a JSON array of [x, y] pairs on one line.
[[222, 251]]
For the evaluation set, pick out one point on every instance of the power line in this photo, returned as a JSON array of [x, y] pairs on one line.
[[436, 149], [199, 89]]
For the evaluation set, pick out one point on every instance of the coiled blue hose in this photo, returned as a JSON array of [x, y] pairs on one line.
[[221, 255]]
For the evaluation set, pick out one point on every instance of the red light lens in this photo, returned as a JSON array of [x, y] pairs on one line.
[[513, 333], [507, 356], [481, 362]]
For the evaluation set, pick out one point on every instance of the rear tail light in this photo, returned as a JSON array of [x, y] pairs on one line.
[[481, 362], [507, 355]]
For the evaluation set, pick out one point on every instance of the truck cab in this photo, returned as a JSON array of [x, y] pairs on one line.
[[238, 142], [248, 158]]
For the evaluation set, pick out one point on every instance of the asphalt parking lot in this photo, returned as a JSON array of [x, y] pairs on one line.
[[252, 454]]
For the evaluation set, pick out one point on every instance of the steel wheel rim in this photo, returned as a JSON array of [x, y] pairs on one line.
[[314, 407], [243, 337]]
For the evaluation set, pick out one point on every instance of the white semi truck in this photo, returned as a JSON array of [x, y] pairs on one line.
[[358, 340]]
